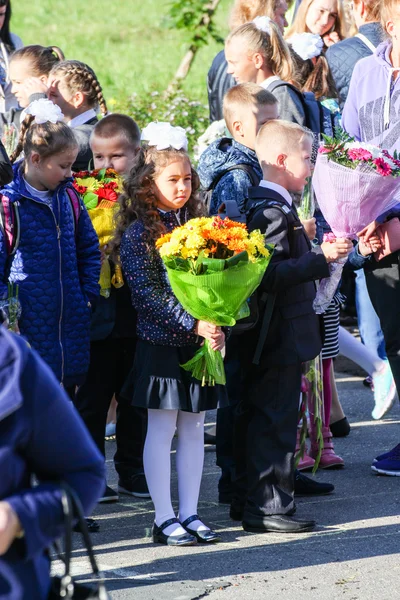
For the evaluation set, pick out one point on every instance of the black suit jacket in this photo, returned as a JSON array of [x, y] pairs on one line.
[[82, 134], [294, 334]]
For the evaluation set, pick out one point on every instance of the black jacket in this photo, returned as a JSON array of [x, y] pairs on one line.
[[343, 56], [294, 334], [6, 170], [85, 155], [218, 83]]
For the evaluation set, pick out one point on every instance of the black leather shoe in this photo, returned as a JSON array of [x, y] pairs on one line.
[[305, 486], [275, 524], [92, 526], [172, 540], [203, 537], [237, 510]]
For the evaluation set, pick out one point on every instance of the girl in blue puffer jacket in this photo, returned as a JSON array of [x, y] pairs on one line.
[[54, 256]]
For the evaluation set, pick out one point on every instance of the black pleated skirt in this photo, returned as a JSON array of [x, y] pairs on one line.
[[157, 381]]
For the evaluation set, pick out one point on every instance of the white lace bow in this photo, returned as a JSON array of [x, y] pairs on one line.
[[164, 135], [44, 111], [263, 24], [307, 45]]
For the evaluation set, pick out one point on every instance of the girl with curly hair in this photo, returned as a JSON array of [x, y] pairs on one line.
[[159, 195]]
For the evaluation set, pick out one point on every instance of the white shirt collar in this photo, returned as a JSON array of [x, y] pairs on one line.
[[82, 118], [277, 188], [267, 82]]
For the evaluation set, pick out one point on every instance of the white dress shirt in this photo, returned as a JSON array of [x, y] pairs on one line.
[[82, 118]]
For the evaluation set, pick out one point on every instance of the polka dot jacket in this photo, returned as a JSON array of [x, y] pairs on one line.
[[161, 318]]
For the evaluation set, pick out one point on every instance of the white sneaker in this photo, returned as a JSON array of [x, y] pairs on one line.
[[384, 392]]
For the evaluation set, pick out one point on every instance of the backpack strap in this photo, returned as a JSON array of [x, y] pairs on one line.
[[10, 224], [269, 309], [366, 41], [255, 180], [277, 84], [76, 206], [229, 208]]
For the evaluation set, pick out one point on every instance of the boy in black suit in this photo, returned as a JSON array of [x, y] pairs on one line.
[[284, 152]]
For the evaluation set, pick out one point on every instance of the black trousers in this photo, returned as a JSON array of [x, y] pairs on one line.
[[384, 290], [270, 413], [226, 417], [110, 363]]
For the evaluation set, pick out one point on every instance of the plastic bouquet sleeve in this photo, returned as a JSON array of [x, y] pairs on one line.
[[216, 297], [349, 198]]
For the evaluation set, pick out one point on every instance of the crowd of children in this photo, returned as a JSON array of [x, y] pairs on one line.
[[130, 344]]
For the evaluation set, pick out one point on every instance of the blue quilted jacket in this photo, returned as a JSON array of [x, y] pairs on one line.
[[57, 270], [161, 318], [343, 56], [234, 185]]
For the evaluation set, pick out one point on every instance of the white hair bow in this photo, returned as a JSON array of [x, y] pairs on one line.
[[164, 135], [307, 45], [263, 24], [44, 111]]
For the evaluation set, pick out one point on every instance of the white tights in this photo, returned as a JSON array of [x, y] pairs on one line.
[[189, 464], [366, 358]]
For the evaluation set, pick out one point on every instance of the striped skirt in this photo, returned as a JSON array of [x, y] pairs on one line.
[[331, 324]]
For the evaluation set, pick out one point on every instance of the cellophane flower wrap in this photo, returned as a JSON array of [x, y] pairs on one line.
[[213, 266], [100, 190], [354, 183]]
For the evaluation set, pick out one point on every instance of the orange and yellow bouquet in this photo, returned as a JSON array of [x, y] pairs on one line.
[[213, 266]]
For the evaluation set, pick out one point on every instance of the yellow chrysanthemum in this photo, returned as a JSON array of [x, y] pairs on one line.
[[90, 183]]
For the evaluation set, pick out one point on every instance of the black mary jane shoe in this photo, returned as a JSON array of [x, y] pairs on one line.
[[203, 537], [159, 537]]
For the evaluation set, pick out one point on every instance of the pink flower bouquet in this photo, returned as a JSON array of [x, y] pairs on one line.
[[354, 183]]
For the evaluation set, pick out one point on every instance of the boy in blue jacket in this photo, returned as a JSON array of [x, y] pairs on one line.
[[228, 167]]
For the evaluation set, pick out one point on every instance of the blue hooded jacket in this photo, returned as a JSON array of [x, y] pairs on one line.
[[220, 155], [41, 434], [57, 270]]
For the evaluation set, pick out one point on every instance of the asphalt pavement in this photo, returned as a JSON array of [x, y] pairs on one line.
[[353, 554]]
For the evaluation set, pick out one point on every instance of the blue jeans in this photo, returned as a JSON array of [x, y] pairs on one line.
[[368, 321]]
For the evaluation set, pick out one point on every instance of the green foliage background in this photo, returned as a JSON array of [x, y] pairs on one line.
[[127, 42]]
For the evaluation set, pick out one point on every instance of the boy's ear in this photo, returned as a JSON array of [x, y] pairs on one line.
[[237, 127], [281, 161]]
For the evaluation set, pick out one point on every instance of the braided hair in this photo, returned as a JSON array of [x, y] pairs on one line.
[[79, 77], [45, 138]]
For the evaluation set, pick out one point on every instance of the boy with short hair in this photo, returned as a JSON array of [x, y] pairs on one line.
[[273, 378], [228, 167], [114, 141]]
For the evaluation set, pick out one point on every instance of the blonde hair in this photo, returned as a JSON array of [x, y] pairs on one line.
[[272, 48], [79, 77], [280, 136], [244, 95], [41, 58], [388, 7], [244, 11], [299, 23]]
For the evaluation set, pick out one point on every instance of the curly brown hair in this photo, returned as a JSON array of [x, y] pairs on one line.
[[139, 201]]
